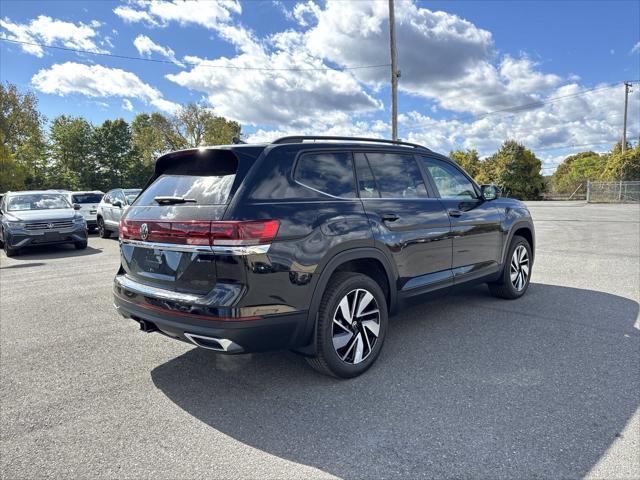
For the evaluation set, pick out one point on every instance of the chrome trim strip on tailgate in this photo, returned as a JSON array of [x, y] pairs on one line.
[[219, 249], [155, 292]]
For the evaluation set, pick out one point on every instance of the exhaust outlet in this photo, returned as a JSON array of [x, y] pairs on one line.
[[212, 343]]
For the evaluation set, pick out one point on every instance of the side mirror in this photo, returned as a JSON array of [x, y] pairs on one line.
[[117, 203], [490, 192], [77, 206]]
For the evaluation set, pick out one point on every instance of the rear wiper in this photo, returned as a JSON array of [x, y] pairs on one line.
[[173, 200]]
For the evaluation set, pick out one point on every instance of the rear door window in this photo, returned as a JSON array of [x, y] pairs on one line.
[[194, 189], [397, 175], [330, 173]]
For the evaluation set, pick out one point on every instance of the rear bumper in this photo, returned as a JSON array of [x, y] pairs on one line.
[[223, 330]]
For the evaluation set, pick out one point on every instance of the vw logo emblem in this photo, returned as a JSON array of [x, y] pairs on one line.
[[144, 231], [50, 225]]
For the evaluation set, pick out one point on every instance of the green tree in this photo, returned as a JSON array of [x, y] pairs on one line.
[[197, 126], [114, 155], [12, 175], [73, 164], [623, 166], [220, 131], [23, 152], [468, 160], [576, 170], [516, 169]]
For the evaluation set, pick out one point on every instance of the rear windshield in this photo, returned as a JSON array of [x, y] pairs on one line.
[[86, 197], [195, 189]]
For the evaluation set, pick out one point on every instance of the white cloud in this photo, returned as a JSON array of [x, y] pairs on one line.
[[441, 56], [146, 46], [258, 97], [590, 121], [159, 13], [49, 31], [303, 11], [127, 105], [98, 81], [636, 48]]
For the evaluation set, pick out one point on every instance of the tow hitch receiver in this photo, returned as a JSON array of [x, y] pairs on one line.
[[147, 327]]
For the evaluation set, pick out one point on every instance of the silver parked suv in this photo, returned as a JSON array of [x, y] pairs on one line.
[[39, 218], [113, 204]]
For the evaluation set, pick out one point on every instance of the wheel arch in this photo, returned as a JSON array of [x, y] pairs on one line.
[[523, 228], [367, 260]]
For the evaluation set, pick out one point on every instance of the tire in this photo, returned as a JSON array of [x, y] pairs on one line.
[[346, 350], [516, 274], [102, 230], [8, 251], [81, 245]]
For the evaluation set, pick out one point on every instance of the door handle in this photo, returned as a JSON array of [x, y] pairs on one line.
[[389, 217], [455, 213]]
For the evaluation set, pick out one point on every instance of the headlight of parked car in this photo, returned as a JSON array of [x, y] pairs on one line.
[[79, 219], [15, 225]]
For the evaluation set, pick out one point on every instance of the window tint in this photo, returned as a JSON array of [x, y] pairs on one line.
[[330, 173], [203, 190], [366, 181], [396, 175], [132, 195], [118, 195], [450, 181], [86, 197]]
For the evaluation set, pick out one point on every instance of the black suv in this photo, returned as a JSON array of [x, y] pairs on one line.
[[309, 244]]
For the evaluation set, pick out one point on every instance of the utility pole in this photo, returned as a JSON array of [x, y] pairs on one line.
[[394, 72], [627, 87]]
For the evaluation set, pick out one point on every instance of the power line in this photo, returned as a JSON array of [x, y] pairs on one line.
[[541, 103], [193, 64], [517, 108]]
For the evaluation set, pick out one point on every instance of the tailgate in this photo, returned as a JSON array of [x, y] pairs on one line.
[[165, 234]]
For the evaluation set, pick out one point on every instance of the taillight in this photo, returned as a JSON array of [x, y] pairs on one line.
[[239, 233], [252, 232]]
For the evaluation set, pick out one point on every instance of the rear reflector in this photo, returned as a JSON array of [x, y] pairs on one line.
[[245, 232]]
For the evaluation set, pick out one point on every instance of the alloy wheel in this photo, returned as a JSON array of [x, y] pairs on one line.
[[519, 270], [356, 326]]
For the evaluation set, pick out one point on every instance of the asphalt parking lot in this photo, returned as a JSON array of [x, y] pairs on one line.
[[466, 386]]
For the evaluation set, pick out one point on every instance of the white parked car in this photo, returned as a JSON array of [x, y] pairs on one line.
[[113, 204], [88, 201]]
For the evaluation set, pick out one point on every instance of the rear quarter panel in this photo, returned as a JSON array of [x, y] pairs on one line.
[[313, 228]]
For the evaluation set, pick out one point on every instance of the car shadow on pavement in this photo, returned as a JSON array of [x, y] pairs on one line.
[[50, 252], [466, 386]]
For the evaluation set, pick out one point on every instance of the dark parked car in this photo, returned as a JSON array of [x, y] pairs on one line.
[[310, 246], [39, 218]]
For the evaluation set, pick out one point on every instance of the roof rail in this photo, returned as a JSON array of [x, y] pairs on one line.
[[302, 138]]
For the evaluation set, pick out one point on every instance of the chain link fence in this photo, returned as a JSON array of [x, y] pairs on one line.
[[613, 192]]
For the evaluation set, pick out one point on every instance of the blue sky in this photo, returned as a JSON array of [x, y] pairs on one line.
[[459, 60]]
